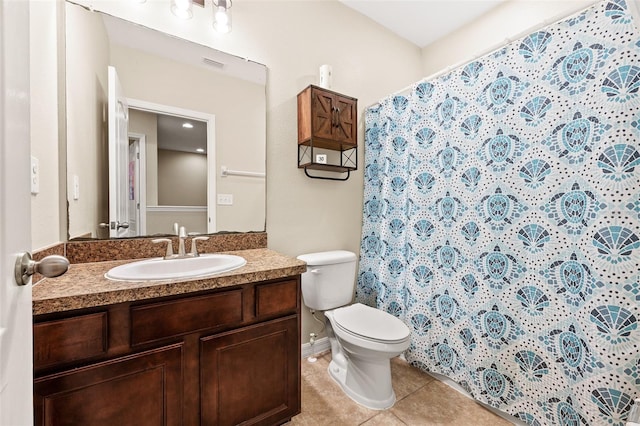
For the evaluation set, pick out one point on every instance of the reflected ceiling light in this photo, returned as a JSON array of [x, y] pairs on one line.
[[182, 8], [222, 16], [187, 125], [200, 150]]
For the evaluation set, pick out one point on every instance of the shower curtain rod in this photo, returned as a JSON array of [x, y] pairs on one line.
[[547, 22]]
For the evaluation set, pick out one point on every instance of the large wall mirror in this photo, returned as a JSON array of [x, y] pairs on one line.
[[192, 112]]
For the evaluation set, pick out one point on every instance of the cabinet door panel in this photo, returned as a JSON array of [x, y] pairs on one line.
[[323, 114], [250, 376], [140, 389], [346, 126]]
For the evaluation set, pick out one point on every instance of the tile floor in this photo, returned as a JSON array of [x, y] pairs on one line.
[[421, 401]]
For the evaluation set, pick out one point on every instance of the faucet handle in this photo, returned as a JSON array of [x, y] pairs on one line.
[[169, 252], [194, 248]]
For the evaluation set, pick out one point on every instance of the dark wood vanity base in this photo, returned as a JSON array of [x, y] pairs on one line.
[[218, 357]]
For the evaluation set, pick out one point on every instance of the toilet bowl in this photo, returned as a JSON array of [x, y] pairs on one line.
[[360, 354], [363, 339]]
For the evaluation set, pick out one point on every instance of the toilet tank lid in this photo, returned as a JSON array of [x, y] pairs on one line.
[[328, 257]]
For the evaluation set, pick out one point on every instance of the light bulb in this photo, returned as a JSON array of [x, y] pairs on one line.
[[182, 8], [222, 17]]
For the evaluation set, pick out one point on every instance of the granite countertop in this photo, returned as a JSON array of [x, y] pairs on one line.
[[84, 285]]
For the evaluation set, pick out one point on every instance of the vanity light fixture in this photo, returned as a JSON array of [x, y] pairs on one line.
[[187, 125], [183, 9], [222, 16]]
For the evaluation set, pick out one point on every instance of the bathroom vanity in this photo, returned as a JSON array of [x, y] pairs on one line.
[[216, 351]]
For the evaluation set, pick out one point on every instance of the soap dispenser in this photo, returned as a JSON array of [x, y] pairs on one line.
[[633, 418]]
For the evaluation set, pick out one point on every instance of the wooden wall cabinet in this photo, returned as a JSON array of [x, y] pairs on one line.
[[327, 120], [222, 357]]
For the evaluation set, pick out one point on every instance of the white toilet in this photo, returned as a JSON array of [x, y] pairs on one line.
[[363, 339]]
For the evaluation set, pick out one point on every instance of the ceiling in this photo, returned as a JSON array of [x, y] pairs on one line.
[[173, 136], [422, 21]]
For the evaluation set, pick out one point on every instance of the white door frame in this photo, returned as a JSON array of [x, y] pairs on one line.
[[141, 140], [211, 147]]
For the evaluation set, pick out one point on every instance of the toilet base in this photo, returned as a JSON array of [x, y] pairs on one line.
[[376, 396]]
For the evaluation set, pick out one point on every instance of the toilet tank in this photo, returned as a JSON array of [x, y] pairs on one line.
[[330, 279]]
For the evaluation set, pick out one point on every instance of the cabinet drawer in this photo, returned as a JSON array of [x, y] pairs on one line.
[[276, 298], [177, 317], [71, 339]]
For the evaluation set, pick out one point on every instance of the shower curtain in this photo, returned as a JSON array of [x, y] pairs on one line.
[[501, 221]]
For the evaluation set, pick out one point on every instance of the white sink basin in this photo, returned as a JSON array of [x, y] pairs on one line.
[[188, 267]]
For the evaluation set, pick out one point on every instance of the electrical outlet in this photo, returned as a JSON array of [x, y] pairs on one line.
[[321, 158], [225, 199]]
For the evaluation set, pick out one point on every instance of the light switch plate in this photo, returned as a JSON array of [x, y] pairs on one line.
[[35, 175], [76, 187], [225, 199]]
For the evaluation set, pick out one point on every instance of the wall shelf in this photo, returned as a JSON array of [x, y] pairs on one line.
[[327, 132]]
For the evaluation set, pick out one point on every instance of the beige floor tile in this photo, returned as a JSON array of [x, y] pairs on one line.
[[421, 401], [438, 404], [385, 418], [407, 379], [324, 403], [318, 367]]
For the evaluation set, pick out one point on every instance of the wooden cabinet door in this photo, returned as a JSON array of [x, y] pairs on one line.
[[334, 117], [251, 376], [323, 114], [139, 389], [345, 128]]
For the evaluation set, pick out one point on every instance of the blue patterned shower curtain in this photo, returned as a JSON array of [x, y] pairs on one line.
[[501, 221]]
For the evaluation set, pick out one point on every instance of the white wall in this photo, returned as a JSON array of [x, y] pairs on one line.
[[509, 21], [86, 75], [182, 178], [45, 213]]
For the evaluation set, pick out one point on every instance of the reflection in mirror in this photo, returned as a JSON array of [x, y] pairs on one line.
[[167, 172], [161, 70]]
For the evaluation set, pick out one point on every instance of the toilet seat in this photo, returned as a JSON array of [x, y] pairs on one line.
[[371, 324]]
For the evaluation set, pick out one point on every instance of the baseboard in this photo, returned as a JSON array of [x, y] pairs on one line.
[[319, 346]]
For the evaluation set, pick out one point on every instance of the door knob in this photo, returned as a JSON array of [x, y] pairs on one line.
[[50, 266]]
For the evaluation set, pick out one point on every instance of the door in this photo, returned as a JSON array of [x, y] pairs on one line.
[[16, 364], [139, 389], [118, 158], [139, 207], [346, 124], [259, 363], [323, 114], [133, 198]]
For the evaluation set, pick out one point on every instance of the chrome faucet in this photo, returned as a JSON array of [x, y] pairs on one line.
[[169, 253], [182, 235], [194, 247]]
